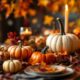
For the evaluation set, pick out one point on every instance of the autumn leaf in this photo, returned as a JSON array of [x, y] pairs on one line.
[[43, 2], [32, 12], [48, 20]]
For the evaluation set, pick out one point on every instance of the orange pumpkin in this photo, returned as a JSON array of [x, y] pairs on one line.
[[55, 31], [76, 31], [39, 57], [48, 32], [20, 52]]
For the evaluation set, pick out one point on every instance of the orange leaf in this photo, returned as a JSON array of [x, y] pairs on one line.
[[32, 12], [48, 20], [43, 2]]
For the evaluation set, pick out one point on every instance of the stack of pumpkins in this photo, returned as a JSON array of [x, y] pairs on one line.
[[59, 43], [13, 56]]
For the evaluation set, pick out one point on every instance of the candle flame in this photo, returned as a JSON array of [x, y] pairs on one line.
[[27, 31], [66, 7]]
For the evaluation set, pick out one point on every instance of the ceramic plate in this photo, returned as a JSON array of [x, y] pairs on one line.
[[62, 71], [58, 69]]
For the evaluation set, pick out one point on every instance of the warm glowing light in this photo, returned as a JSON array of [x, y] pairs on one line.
[[34, 21], [66, 7], [26, 32], [46, 32], [48, 19], [43, 2], [66, 18], [32, 12]]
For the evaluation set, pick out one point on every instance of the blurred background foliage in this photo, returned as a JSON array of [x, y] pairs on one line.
[[36, 14]]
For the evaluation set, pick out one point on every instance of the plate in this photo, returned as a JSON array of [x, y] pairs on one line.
[[59, 73], [56, 69]]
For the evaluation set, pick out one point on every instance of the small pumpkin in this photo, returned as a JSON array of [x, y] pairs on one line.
[[43, 56], [20, 52], [12, 66], [47, 32], [62, 41], [40, 42], [4, 47], [76, 31], [4, 55]]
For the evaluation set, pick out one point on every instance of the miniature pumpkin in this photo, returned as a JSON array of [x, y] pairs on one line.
[[47, 32], [20, 52], [4, 55], [4, 47], [3, 52], [63, 41], [40, 42], [39, 57], [12, 66], [76, 31]]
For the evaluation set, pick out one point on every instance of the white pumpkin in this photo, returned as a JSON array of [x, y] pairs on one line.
[[12, 66], [63, 42]]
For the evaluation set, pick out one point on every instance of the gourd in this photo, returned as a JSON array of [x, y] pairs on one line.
[[43, 56], [12, 66], [20, 52], [40, 42], [76, 31], [4, 55], [62, 41]]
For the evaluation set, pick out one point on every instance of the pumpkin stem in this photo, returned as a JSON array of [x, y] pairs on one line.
[[61, 26], [20, 43], [54, 27], [11, 58], [44, 50]]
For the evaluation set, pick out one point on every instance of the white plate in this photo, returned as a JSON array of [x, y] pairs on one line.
[[69, 71], [59, 69]]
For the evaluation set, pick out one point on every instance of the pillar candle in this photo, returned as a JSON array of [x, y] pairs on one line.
[[66, 18]]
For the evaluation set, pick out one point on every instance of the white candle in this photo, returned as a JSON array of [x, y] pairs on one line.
[[66, 18], [21, 29]]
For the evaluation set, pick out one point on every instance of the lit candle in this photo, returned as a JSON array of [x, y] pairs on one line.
[[66, 18], [21, 30], [28, 32]]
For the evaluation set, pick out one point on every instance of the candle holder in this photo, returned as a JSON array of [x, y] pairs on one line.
[[25, 33]]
